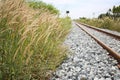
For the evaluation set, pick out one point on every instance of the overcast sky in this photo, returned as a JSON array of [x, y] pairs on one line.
[[83, 8]]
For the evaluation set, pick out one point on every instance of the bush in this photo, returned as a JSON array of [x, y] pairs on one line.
[[41, 5]]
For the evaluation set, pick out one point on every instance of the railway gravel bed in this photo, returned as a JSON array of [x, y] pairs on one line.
[[108, 40], [113, 32], [87, 61]]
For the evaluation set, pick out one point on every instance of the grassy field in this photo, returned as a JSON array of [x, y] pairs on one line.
[[30, 41], [106, 23]]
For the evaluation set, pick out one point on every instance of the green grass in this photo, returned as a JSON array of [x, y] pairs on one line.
[[106, 23], [30, 41], [41, 5]]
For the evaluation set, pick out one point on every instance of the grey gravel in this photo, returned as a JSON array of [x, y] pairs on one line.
[[110, 41], [87, 61], [113, 32]]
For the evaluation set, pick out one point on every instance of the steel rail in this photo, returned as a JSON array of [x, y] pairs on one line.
[[108, 33], [114, 54]]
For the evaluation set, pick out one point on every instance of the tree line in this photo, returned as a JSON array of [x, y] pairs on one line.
[[114, 12]]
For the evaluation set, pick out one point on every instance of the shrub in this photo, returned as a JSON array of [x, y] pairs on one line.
[[46, 7]]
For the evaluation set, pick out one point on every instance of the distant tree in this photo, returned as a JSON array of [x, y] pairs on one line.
[[82, 18], [113, 13], [102, 16], [116, 11]]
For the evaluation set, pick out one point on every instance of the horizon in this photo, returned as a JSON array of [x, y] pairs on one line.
[[83, 8]]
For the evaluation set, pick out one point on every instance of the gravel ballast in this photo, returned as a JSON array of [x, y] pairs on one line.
[[108, 40], [87, 61]]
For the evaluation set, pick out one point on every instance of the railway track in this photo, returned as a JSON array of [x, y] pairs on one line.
[[88, 60], [108, 33], [113, 53]]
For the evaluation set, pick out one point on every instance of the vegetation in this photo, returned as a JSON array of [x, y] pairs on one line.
[[112, 13], [106, 23], [42, 5], [116, 11], [30, 41], [110, 20]]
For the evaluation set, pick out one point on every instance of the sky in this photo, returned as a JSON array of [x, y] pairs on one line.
[[83, 8]]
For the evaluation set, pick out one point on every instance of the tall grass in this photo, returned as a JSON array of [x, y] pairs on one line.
[[30, 42], [106, 23]]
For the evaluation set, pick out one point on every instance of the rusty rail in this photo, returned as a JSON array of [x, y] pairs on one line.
[[111, 52], [108, 33]]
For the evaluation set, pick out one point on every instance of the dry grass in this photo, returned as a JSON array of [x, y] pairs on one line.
[[30, 42], [106, 23]]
